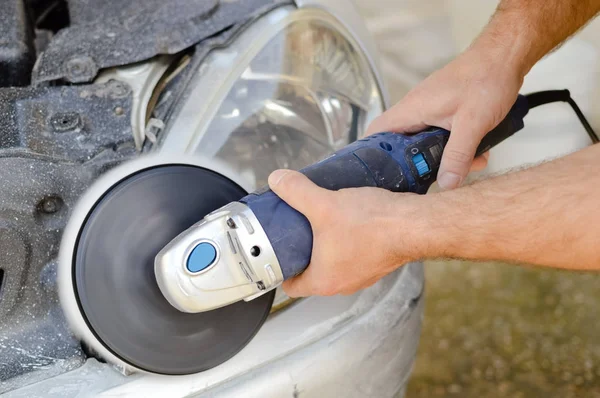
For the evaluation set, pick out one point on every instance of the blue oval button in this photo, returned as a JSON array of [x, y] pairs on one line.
[[203, 255]]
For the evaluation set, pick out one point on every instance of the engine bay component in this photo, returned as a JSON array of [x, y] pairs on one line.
[[128, 32], [17, 53], [143, 78], [54, 142]]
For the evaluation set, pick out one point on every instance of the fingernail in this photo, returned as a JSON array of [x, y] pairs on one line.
[[449, 180], [276, 176]]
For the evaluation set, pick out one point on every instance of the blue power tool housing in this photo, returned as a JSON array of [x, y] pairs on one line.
[[396, 162]]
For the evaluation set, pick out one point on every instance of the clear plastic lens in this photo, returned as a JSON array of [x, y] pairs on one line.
[[307, 93]]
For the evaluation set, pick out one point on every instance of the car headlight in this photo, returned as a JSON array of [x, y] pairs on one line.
[[290, 89]]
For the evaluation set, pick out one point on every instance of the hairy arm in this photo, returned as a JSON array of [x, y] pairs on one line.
[[526, 30], [474, 92], [548, 215]]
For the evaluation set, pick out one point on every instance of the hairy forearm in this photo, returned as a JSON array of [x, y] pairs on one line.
[[521, 32], [548, 215]]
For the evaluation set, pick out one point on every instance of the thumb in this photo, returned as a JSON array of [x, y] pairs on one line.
[[458, 155], [297, 190]]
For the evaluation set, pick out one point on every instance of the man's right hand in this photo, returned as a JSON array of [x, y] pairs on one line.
[[473, 93], [468, 97]]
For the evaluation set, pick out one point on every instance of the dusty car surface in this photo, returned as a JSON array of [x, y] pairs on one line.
[[256, 84]]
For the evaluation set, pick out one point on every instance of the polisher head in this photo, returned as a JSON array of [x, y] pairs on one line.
[[107, 285]]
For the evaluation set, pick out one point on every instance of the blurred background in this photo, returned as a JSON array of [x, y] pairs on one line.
[[493, 330]]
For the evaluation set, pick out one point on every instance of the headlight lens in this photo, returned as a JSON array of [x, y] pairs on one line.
[[291, 89], [306, 94], [294, 88]]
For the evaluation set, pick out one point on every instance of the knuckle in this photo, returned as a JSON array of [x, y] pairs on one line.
[[457, 156], [470, 113]]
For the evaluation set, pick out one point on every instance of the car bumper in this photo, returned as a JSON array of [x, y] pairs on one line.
[[359, 345]]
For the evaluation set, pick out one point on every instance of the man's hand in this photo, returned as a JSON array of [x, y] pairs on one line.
[[355, 234], [547, 215], [469, 97], [473, 93]]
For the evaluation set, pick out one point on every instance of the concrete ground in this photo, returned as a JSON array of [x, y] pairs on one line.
[[495, 329]]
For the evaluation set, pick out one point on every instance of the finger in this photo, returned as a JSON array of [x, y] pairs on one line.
[[297, 286], [297, 190], [465, 136], [480, 162], [404, 117], [311, 282]]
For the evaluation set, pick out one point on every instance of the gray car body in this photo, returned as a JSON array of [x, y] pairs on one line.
[[360, 345]]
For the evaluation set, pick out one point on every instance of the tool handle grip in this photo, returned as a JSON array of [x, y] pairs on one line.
[[396, 162], [512, 123]]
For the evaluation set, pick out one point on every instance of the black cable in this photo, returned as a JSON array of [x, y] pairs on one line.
[[547, 97], [583, 120]]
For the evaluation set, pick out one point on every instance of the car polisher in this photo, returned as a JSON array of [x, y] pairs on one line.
[[150, 288]]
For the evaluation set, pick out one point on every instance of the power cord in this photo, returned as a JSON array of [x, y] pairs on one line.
[[547, 97]]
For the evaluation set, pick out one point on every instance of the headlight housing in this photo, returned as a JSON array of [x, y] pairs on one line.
[[290, 89]]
